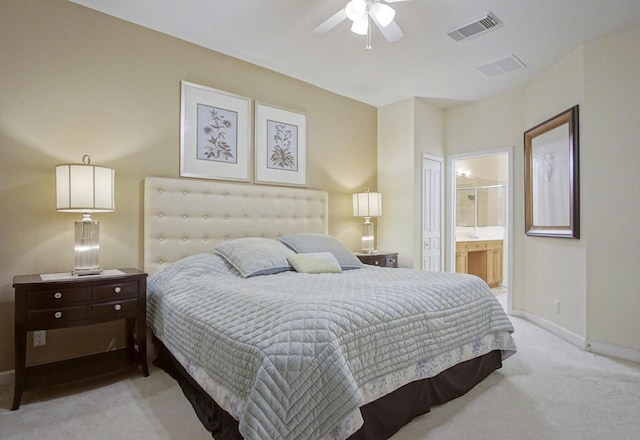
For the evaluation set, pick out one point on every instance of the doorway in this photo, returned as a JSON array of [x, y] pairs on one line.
[[481, 225]]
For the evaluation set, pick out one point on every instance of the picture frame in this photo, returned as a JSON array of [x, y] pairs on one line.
[[215, 134], [280, 146], [552, 198]]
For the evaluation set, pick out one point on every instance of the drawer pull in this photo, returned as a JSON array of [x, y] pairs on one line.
[[57, 295], [58, 315], [117, 307], [117, 289], [376, 263]]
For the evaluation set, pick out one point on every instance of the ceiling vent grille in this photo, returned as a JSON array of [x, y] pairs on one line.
[[503, 65], [478, 25]]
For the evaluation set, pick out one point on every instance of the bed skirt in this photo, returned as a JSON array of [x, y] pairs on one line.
[[382, 417]]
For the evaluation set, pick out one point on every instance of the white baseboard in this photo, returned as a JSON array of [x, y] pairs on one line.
[[7, 378], [561, 332], [616, 351], [596, 347]]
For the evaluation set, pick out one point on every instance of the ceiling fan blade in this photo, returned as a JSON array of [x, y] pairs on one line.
[[392, 32], [331, 22]]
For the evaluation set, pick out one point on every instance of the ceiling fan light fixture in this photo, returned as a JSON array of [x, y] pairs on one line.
[[363, 13], [384, 14], [361, 26], [356, 10]]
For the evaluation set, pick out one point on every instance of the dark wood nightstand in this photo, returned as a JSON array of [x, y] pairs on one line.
[[55, 301], [381, 259]]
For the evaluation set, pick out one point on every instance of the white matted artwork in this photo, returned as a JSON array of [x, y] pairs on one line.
[[281, 146], [215, 134]]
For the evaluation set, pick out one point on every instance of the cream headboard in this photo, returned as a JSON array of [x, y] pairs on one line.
[[183, 217]]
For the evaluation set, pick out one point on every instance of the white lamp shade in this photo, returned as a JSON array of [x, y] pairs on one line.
[[367, 204], [84, 188], [356, 9], [384, 14], [360, 26]]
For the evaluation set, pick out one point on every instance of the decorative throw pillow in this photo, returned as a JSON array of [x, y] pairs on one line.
[[305, 243], [255, 256], [315, 262]]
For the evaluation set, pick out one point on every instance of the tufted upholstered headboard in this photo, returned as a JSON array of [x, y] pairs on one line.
[[183, 217]]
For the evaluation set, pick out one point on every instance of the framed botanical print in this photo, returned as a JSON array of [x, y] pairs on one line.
[[552, 202], [215, 134], [281, 146]]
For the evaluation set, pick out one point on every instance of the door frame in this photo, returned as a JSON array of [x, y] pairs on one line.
[[451, 210]]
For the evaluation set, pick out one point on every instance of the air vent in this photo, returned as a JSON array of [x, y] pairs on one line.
[[478, 25], [503, 65]]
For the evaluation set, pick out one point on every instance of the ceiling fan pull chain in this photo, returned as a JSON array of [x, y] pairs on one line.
[[368, 45]]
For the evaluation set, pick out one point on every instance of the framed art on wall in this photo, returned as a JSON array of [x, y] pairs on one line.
[[552, 202], [215, 134], [281, 146]]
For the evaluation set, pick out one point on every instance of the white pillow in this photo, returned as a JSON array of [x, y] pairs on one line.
[[315, 262]]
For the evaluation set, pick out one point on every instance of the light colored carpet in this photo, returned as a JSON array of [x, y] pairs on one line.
[[133, 407], [549, 390]]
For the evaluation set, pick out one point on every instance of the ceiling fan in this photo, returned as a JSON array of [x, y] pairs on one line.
[[362, 13]]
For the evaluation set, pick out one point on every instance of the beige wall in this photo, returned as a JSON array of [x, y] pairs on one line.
[[75, 82], [610, 158], [395, 179], [555, 269], [409, 128]]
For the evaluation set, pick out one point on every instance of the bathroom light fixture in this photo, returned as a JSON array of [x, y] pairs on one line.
[[367, 205], [85, 188]]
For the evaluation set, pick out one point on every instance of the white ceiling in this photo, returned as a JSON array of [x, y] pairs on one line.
[[426, 63]]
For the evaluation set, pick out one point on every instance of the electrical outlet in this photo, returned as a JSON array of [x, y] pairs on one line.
[[556, 306], [39, 338]]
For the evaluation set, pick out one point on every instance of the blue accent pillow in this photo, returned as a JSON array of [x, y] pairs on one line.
[[255, 256], [308, 242]]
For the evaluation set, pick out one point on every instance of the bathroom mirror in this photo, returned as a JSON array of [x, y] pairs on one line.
[[481, 206]]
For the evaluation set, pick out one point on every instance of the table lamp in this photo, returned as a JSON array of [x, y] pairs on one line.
[[367, 205], [85, 188]]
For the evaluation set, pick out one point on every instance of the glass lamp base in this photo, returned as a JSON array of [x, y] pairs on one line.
[[87, 248], [367, 237]]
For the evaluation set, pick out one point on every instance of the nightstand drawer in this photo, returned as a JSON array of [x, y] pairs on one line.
[[380, 259], [114, 291], [45, 299], [55, 317], [115, 308]]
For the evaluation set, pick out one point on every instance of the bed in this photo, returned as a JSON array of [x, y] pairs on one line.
[[274, 330]]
